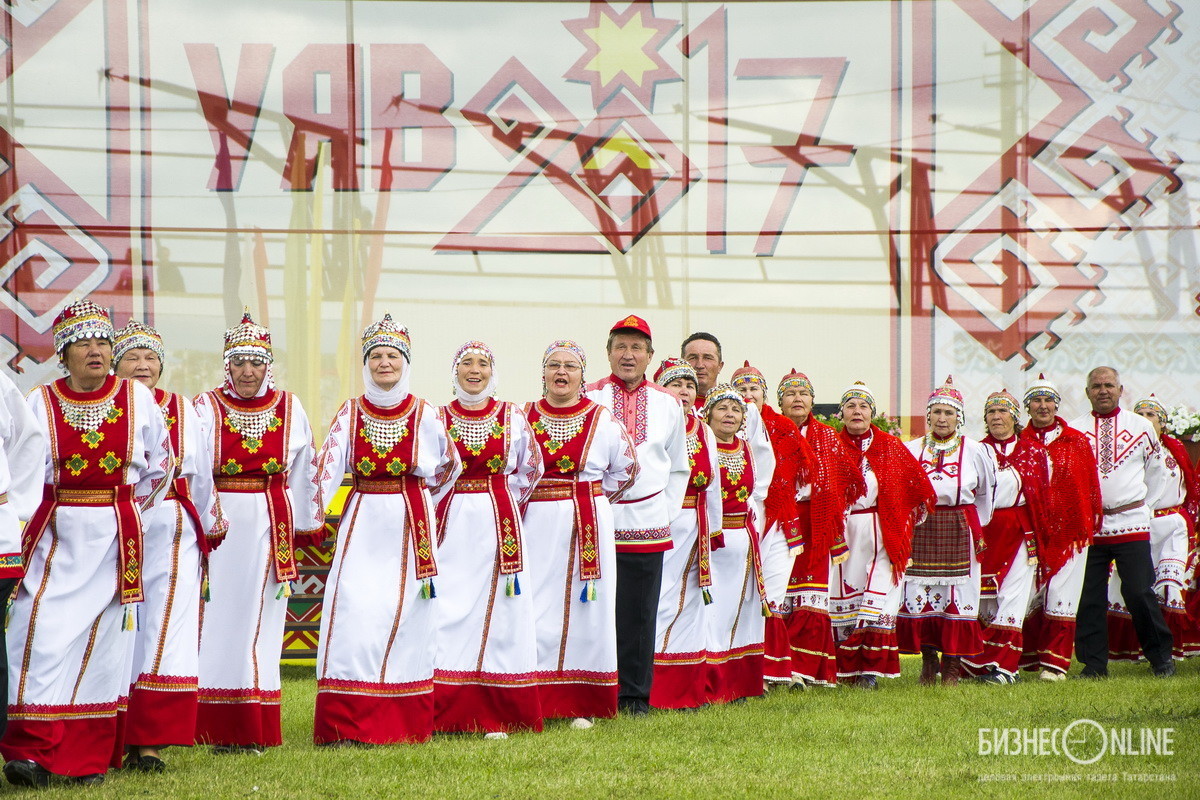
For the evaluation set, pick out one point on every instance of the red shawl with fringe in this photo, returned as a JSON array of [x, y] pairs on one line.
[[1191, 483], [1073, 509], [794, 465], [837, 483], [1030, 460]]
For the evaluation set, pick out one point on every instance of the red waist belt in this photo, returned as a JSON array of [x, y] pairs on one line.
[[1108, 512], [1166, 512], [129, 529], [417, 513], [279, 512], [587, 534]]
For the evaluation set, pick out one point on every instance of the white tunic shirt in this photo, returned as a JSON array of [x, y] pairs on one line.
[[1131, 473]]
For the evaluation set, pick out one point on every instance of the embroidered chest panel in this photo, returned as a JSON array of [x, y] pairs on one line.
[[91, 440], [737, 476], [251, 439], [563, 438], [698, 459], [943, 464], [481, 438], [384, 441], [1113, 445], [630, 411]]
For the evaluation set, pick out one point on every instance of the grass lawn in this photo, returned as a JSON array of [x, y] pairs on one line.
[[902, 740]]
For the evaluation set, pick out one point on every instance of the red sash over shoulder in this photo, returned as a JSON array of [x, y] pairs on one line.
[[178, 490], [696, 496], [564, 459], [736, 488], [91, 469], [258, 465]]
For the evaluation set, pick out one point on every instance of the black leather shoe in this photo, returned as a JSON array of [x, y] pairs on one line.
[[1166, 670], [151, 764], [1092, 674], [88, 780], [27, 773]]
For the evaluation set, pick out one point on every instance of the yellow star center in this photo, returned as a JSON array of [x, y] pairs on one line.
[[621, 49]]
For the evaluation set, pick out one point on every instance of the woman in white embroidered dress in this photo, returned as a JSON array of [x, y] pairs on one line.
[[736, 617], [485, 671], [940, 612], [589, 463], [378, 620], [681, 639]]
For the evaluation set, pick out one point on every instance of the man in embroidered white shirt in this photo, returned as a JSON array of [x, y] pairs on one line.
[[650, 415], [1125, 445]]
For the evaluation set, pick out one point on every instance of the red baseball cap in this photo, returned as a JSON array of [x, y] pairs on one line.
[[632, 323]]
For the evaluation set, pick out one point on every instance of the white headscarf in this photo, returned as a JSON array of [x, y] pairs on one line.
[[488, 390], [385, 398]]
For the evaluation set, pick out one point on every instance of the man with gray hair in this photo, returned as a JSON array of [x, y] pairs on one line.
[[1125, 446]]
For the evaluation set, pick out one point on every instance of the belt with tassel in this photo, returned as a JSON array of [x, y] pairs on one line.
[[279, 512], [504, 510], [742, 520], [699, 501], [418, 517], [129, 529], [587, 532]]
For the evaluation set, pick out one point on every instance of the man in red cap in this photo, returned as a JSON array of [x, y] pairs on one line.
[[650, 415]]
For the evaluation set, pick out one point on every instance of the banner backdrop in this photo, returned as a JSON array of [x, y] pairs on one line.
[[879, 191]]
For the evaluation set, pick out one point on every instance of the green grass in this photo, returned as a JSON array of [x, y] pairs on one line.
[[904, 740]]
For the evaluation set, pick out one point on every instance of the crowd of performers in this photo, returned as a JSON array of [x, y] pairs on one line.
[[619, 545]]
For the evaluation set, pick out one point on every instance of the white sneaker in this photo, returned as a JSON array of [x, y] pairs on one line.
[[581, 723], [1051, 675], [495, 735]]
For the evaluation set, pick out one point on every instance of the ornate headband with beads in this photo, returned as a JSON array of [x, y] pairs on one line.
[[748, 374], [386, 333], [673, 369], [81, 320], [859, 391], [794, 380], [722, 391], [249, 340], [571, 346], [1151, 404], [134, 335], [1002, 400], [947, 395], [478, 348], [1042, 387]]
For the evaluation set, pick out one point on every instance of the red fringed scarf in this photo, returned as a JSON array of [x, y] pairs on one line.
[[1030, 460], [903, 490], [794, 463], [1073, 507], [837, 484]]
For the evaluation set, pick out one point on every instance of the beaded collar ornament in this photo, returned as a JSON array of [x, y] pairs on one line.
[[134, 335], [733, 462], [81, 320]]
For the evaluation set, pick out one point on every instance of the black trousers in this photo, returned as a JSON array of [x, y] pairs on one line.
[[639, 578], [1136, 569], [6, 587]]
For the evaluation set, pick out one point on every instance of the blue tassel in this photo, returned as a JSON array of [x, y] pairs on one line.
[[583, 596], [707, 596], [427, 590], [432, 590], [516, 584]]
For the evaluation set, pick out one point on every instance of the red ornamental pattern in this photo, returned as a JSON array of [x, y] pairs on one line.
[[492, 458], [367, 461], [563, 459], [237, 456], [96, 459]]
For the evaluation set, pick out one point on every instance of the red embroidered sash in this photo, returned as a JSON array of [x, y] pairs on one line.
[[259, 466], [484, 471], [564, 461], [698, 481], [378, 471]]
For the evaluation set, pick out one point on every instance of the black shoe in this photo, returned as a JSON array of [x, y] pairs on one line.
[[88, 780], [27, 773], [1092, 674], [1166, 670], [995, 676], [151, 764], [867, 682]]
